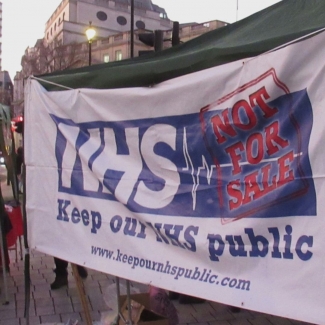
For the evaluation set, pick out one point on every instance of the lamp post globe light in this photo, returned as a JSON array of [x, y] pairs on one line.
[[90, 33]]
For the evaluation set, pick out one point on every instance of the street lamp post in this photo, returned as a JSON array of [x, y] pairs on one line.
[[90, 33], [132, 29]]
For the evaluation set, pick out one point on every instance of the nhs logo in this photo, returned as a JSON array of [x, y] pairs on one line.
[[242, 159], [157, 166]]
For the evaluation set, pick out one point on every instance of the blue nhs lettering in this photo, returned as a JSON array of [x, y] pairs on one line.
[[118, 161]]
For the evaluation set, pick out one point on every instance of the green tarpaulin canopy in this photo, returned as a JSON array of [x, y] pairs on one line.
[[272, 27]]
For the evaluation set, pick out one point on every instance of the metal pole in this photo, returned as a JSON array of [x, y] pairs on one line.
[[27, 252], [159, 39], [237, 12], [129, 301], [132, 29], [4, 270], [89, 47], [175, 34], [118, 294], [3, 247]]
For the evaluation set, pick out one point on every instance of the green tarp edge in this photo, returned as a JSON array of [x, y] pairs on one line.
[[272, 27]]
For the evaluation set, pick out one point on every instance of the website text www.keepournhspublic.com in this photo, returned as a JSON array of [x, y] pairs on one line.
[[196, 273]]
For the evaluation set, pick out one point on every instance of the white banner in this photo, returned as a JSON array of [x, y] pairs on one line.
[[210, 184]]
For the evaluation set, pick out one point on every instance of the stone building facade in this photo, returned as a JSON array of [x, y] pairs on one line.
[[71, 18], [65, 46]]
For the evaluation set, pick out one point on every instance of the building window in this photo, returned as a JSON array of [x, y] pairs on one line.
[[101, 15], [63, 16], [140, 24], [118, 55], [121, 20], [106, 58]]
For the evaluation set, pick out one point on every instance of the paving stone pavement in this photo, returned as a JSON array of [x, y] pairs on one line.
[[58, 306]]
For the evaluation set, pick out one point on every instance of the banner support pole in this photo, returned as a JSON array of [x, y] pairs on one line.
[[4, 269], [129, 301], [82, 295]]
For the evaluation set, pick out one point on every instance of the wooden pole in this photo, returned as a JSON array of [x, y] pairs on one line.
[[82, 294]]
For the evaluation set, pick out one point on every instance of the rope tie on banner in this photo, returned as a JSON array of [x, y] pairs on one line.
[[52, 83]]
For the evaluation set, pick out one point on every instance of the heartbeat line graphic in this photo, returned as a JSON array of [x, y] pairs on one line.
[[195, 175]]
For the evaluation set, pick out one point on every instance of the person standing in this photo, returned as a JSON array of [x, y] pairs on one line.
[[61, 273], [19, 167]]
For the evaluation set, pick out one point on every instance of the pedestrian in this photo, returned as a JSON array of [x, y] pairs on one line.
[[61, 273], [19, 167], [7, 230]]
